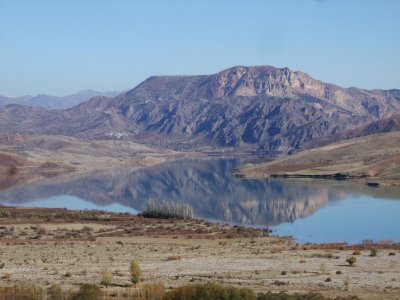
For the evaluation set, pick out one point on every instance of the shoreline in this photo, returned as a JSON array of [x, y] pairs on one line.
[[40, 244]]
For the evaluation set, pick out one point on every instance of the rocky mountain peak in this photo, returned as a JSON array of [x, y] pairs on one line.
[[253, 81], [268, 108]]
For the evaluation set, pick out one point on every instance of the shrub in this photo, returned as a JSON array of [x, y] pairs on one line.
[[374, 252], [346, 281], [351, 261], [168, 210], [209, 291], [173, 257], [107, 279], [135, 271], [310, 296], [4, 213], [155, 291], [88, 292], [28, 292], [356, 252], [323, 268], [68, 274], [54, 292]]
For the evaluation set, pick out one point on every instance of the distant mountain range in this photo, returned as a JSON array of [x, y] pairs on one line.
[[274, 110], [55, 102]]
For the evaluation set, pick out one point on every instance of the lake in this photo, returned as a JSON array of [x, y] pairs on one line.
[[309, 210]]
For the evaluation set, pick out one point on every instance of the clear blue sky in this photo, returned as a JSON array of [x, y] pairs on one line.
[[60, 47]]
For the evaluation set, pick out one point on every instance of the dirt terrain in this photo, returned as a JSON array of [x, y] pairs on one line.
[[26, 158], [374, 159], [48, 246]]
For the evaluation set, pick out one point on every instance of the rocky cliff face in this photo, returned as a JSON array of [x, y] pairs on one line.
[[258, 107], [272, 109], [381, 126]]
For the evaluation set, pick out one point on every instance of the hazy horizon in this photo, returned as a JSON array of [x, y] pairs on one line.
[[60, 48]]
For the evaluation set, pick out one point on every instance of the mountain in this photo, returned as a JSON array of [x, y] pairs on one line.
[[274, 110], [55, 102], [381, 126], [373, 158]]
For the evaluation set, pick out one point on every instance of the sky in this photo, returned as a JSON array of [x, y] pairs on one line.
[[61, 47]]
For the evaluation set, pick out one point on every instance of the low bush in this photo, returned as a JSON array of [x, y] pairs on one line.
[[155, 291], [173, 257], [107, 279], [209, 291], [4, 213], [374, 252], [351, 261], [88, 292], [168, 210], [136, 272], [28, 292], [55, 292], [310, 296]]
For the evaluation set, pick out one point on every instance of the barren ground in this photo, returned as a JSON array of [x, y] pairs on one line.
[[373, 159], [48, 246]]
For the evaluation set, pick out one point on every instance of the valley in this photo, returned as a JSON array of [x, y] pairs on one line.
[[218, 144]]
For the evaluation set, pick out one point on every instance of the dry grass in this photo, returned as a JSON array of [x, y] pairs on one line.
[[375, 158], [109, 242]]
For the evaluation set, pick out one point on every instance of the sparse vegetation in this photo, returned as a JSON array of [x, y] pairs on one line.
[[374, 252], [3, 213], [346, 282], [107, 279], [323, 268], [168, 210], [72, 265], [88, 292], [28, 292], [209, 291], [155, 291], [173, 257], [351, 261], [135, 271], [356, 252], [54, 292], [310, 296]]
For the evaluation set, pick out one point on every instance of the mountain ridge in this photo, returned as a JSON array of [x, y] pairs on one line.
[[274, 110], [56, 102]]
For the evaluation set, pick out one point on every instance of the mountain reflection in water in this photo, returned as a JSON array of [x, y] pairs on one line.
[[207, 185]]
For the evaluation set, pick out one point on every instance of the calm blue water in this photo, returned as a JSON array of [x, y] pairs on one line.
[[310, 211], [354, 219], [75, 203]]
